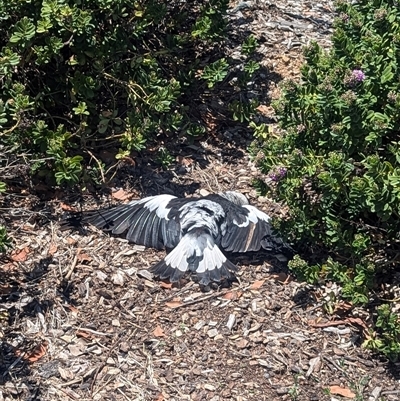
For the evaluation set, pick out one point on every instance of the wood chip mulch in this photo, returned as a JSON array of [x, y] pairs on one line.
[[82, 319]]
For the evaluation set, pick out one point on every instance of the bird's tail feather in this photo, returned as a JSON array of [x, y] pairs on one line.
[[196, 252]]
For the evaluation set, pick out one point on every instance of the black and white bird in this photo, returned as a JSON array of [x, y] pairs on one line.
[[196, 230]]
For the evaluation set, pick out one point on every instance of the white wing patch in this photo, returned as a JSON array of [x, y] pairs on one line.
[[257, 213], [213, 258], [203, 246], [253, 217], [177, 258], [158, 204]]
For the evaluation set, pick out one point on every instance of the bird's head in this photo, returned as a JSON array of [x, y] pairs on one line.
[[234, 197]]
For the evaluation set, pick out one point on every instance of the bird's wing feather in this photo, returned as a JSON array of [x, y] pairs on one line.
[[247, 229], [198, 253], [145, 221]]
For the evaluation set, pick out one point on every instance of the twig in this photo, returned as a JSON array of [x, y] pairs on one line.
[[12, 128], [98, 163], [390, 392], [98, 333], [74, 263], [100, 368], [326, 359], [128, 85], [67, 392]]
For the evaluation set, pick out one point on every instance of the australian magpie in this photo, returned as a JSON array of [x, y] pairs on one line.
[[196, 230]]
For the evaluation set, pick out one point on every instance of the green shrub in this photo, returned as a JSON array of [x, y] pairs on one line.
[[5, 241], [337, 165], [78, 76]]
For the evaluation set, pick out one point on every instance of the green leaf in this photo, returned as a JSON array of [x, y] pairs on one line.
[[24, 30], [387, 74]]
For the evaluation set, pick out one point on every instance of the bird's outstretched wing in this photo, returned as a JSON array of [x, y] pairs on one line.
[[145, 221], [247, 229]]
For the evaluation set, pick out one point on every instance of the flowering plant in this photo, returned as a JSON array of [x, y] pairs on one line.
[[341, 152]]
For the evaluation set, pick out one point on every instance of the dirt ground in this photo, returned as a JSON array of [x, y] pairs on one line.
[[81, 318]]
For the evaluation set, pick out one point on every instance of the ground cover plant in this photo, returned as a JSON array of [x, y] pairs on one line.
[[337, 165], [80, 76]]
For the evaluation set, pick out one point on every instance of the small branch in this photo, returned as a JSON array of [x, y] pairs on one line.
[[74, 263], [12, 128], [98, 163]]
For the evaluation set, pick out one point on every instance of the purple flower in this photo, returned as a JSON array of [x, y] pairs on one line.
[[353, 78], [358, 75], [277, 173]]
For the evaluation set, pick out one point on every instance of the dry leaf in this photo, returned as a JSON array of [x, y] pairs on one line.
[[83, 257], [118, 278], [8, 267], [28, 227], [84, 334], [257, 285], [185, 161], [174, 304], [282, 277], [164, 284], [71, 241], [53, 249], [357, 321], [263, 109], [342, 308], [129, 160], [73, 309], [76, 349], [67, 208], [344, 392], [37, 353], [158, 332], [6, 289], [20, 255], [232, 295], [120, 195], [204, 192], [160, 397], [350, 320]]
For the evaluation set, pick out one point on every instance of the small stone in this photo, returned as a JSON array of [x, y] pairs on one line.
[[212, 333], [281, 390], [118, 278]]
